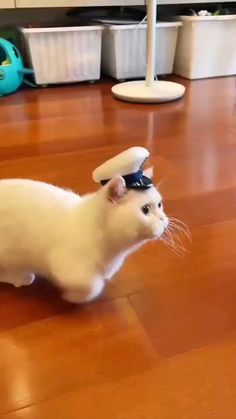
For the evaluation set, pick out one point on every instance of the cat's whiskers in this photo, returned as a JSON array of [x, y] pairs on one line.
[[175, 235], [171, 236], [172, 244], [181, 226], [167, 243], [179, 230]]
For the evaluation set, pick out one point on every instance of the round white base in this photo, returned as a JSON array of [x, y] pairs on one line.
[[137, 91]]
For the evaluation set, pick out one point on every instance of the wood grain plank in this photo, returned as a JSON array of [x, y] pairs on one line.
[[211, 253], [194, 304], [96, 344], [199, 384], [110, 359]]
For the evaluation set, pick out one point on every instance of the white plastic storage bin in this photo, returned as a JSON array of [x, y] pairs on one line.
[[206, 47], [124, 49], [63, 55]]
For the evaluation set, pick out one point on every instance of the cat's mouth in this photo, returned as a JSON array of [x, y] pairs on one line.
[[157, 235], [161, 230]]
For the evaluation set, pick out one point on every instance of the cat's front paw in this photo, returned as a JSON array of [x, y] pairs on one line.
[[24, 280], [18, 279], [86, 294]]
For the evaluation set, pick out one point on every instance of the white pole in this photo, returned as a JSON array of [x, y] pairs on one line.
[[150, 90], [151, 35]]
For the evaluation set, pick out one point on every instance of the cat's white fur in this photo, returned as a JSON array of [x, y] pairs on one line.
[[76, 242]]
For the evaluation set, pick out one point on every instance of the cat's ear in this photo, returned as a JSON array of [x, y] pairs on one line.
[[116, 189], [149, 172]]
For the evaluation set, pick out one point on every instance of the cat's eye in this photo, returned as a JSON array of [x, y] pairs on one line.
[[146, 209]]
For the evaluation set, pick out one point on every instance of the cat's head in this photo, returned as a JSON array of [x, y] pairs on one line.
[[134, 215]]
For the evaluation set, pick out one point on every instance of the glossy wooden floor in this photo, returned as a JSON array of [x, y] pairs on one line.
[[161, 343]]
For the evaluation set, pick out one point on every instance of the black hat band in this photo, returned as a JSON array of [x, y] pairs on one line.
[[135, 181]]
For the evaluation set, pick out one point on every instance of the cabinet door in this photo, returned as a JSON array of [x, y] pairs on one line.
[[74, 3], [7, 4]]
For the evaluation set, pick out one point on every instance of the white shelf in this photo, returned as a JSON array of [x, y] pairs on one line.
[[89, 3], [7, 4], [77, 3]]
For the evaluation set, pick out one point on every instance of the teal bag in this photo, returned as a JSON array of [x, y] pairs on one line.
[[12, 70]]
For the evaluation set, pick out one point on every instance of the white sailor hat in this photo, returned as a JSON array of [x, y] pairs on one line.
[[129, 165]]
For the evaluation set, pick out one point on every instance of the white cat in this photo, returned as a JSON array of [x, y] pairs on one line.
[[76, 242]]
